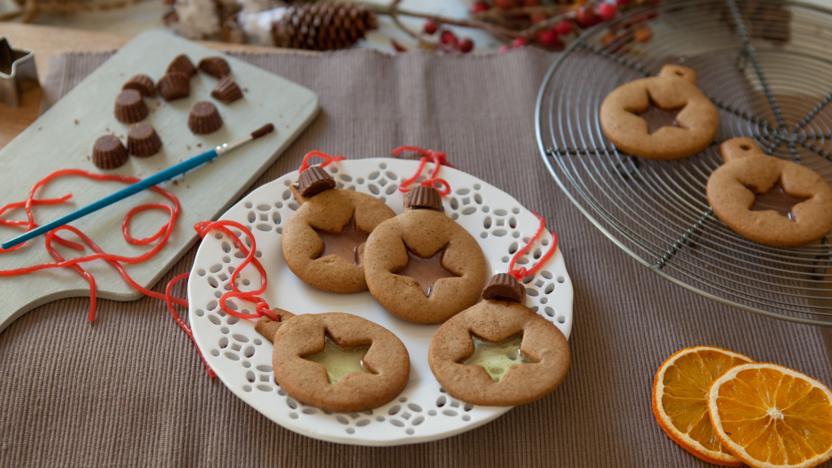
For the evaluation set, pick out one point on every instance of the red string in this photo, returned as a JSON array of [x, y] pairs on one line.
[[438, 158], [170, 303], [262, 308], [326, 158], [158, 240], [519, 273]]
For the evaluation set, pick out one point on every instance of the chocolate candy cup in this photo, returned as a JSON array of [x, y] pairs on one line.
[[421, 197], [204, 118], [143, 141], [227, 91], [182, 64], [141, 83], [313, 181], [130, 107], [174, 85], [108, 152], [215, 66], [504, 287]]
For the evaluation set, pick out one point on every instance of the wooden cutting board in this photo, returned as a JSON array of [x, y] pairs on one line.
[[63, 138]]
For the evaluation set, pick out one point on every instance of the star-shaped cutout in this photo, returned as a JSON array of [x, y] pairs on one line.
[[778, 200], [656, 117], [426, 270], [347, 244], [497, 358], [339, 361]]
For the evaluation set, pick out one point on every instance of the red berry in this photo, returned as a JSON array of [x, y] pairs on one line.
[[519, 42], [430, 27], [585, 17], [448, 38], [466, 45], [563, 27], [607, 11], [548, 38], [480, 7]]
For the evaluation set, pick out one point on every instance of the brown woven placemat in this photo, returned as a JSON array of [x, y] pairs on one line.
[[130, 391]]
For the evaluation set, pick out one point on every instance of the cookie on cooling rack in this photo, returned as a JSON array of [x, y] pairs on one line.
[[323, 241], [733, 187], [422, 266], [335, 361], [508, 376], [674, 88]]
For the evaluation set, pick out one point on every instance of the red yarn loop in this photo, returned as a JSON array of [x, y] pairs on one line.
[[519, 273], [438, 158], [261, 307], [170, 303], [72, 238], [157, 241], [326, 159]]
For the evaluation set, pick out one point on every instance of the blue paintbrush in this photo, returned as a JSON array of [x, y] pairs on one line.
[[141, 185]]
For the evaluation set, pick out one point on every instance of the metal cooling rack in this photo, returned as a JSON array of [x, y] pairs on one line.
[[769, 83]]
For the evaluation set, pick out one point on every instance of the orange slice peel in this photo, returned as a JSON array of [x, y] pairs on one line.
[[771, 416], [680, 400]]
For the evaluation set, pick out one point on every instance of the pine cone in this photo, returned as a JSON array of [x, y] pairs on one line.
[[323, 26]]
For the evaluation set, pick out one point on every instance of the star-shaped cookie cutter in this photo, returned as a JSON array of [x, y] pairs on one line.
[[17, 71]]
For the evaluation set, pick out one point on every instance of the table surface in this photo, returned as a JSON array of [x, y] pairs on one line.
[[47, 41]]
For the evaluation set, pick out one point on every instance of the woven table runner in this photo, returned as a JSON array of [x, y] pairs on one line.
[[130, 390]]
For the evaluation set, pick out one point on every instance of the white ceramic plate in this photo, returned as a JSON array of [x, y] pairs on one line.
[[423, 412]]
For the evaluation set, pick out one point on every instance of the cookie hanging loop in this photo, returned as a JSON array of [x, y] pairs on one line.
[[439, 158], [522, 272], [326, 159], [262, 308]]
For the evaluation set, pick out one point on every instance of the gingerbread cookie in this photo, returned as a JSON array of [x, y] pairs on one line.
[[421, 265], [747, 171], [460, 361], [323, 241], [674, 88], [336, 361]]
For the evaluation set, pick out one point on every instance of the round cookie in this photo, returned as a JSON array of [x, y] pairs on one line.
[[327, 210], [295, 338], [423, 232], [674, 88], [495, 320], [747, 171]]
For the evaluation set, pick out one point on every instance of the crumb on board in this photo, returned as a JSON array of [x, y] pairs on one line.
[[245, 90], [76, 121], [40, 128], [199, 145], [175, 182], [188, 147]]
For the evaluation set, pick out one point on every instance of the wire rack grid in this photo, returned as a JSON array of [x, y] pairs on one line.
[[767, 68]]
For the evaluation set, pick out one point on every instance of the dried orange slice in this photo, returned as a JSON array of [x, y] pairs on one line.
[[680, 399], [771, 416]]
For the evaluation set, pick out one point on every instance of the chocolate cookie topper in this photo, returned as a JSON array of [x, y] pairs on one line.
[[314, 360], [673, 89], [421, 265], [533, 355], [733, 187], [323, 242]]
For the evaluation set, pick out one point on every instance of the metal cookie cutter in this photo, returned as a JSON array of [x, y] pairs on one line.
[[17, 72]]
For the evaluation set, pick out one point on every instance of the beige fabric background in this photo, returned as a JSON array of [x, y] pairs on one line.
[[130, 391]]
